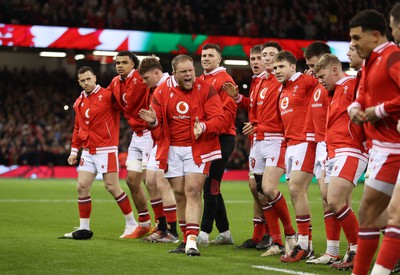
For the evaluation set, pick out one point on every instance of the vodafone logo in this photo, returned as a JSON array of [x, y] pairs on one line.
[[87, 113], [124, 98], [263, 93], [317, 95], [182, 107], [285, 103]]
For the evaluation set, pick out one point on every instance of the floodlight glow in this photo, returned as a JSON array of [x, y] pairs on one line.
[[52, 54], [105, 53], [236, 62], [79, 56]]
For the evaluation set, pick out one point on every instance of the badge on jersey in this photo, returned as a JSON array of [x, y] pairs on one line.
[[182, 107]]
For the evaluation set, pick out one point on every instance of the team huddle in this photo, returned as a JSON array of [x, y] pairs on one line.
[[320, 123]]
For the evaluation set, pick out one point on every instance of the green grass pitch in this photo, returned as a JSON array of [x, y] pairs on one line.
[[33, 213]]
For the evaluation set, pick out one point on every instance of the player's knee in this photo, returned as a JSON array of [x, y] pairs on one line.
[[179, 197], [153, 191], [335, 205], [362, 216], [151, 184], [82, 188], [179, 193], [393, 214], [109, 187], [269, 189], [133, 179], [296, 189], [168, 197], [113, 188], [164, 188], [253, 189], [193, 192], [252, 184]]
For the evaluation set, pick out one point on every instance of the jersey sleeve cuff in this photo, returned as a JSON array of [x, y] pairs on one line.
[[380, 111], [154, 124], [74, 151], [353, 105], [203, 127], [238, 98]]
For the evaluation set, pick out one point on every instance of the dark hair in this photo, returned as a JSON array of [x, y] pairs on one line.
[[255, 49], [212, 46], [395, 12], [271, 44], [84, 69], [131, 56], [148, 64], [179, 59], [317, 48], [369, 20], [285, 56]]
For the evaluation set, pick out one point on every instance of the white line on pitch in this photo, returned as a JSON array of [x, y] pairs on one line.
[[101, 201], [47, 201], [94, 200], [288, 271]]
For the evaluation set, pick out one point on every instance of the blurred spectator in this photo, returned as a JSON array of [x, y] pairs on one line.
[[35, 128], [301, 19], [33, 119]]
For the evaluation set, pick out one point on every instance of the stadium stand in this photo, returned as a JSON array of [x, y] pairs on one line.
[[34, 127], [301, 19]]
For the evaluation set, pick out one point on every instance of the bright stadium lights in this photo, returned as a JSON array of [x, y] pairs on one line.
[[113, 54], [141, 57], [105, 53], [351, 72], [236, 62], [52, 54], [79, 56]]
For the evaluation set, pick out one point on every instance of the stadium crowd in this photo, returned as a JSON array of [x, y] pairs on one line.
[[302, 19], [35, 129], [33, 121], [302, 124]]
